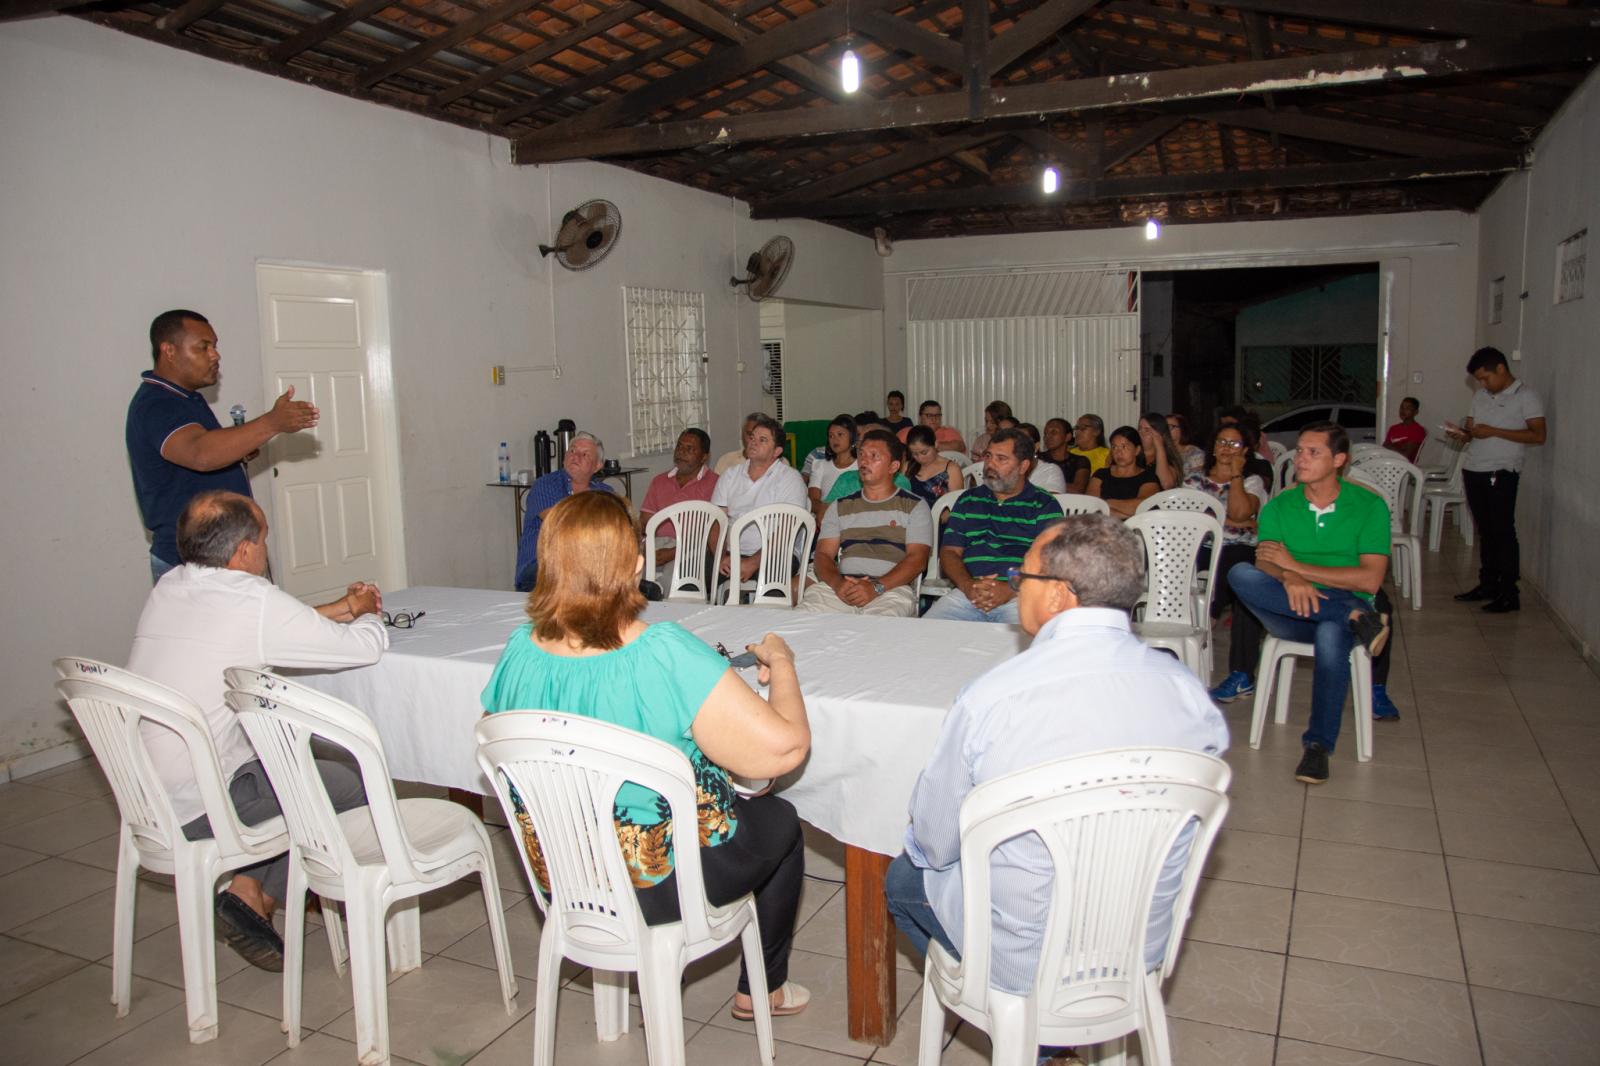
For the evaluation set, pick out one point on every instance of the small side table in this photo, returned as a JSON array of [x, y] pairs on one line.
[[626, 474], [519, 494]]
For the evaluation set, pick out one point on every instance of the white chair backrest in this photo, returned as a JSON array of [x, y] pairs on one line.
[[1172, 541], [1397, 481], [1078, 503], [786, 532], [1109, 820], [1283, 474], [972, 474], [1366, 447], [1458, 452], [109, 704], [1276, 450], [566, 770], [281, 717], [958, 458], [700, 530], [941, 508], [1183, 499]]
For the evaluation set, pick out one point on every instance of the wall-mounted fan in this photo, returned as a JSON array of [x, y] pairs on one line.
[[767, 268], [588, 232]]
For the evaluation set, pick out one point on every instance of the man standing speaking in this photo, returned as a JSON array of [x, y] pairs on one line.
[[176, 446]]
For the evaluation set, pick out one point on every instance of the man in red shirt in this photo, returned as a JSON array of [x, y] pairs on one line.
[[1405, 436], [689, 479]]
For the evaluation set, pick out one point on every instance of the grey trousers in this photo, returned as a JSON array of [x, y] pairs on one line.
[[255, 802]]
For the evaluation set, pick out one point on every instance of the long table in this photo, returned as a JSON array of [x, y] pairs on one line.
[[876, 691]]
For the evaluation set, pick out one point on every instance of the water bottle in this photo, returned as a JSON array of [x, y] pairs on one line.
[[237, 412], [505, 464]]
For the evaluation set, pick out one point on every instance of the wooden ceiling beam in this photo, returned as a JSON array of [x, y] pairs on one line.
[[898, 161], [439, 42], [181, 18], [1444, 18], [1033, 29], [1404, 64], [900, 34], [711, 22], [27, 9], [579, 33], [719, 67], [593, 80], [322, 29], [1078, 190], [975, 46], [1377, 138]]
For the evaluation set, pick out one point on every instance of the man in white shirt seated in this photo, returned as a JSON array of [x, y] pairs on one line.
[[217, 610], [1076, 586], [874, 542], [762, 479]]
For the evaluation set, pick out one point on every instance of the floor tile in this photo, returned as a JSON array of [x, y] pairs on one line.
[[444, 1011], [1410, 878], [159, 957], [42, 887], [823, 1024], [62, 830], [1417, 1018], [81, 778], [1519, 1030], [1540, 960], [1226, 986], [13, 859], [1382, 936], [317, 1049], [244, 1038], [1376, 783], [1525, 893], [1468, 793], [1511, 838], [451, 912], [101, 854], [324, 994], [84, 928], [70, 1017], [1255, 858], [1199, 1044], [1488, 762], [1470, 727], [577, 1040], [1300, 1053], [21, 803], [972, 1050], [1381, 825], [25, 967], [1239, 914], [712, 1046], [1266, 810]]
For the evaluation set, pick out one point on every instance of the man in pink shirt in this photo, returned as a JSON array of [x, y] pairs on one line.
[[1405, 436], [689, 479], [945, 438]]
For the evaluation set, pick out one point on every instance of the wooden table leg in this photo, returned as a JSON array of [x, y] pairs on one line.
[[468, 799], [869, 947]]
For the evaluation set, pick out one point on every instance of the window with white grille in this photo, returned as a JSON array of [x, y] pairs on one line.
[[772, 375], [666, 365]]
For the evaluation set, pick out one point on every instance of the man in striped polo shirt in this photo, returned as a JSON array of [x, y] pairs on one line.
[[874, 542], [989, 532]]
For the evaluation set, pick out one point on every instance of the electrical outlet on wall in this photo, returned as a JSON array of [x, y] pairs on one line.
[[497, 375], [1516, 355]]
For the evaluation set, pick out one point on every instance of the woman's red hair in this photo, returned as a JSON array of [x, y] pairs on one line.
[[588, 584]]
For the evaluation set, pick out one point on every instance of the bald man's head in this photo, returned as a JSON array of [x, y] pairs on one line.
[[215, 524]]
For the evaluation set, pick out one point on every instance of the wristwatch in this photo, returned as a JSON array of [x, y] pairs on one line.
[[877, 587]]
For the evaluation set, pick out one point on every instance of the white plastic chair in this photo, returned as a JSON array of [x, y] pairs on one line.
[[933, 582], [1438, 498], [701, 529], [972, 474], [1183, 499], [388, 852], [958, 458], [566, 770], [1174, 616], [1079, 503], [109, 703], [1276, 450], [1110, 820], [1401, 486], [1277, 667], [1283, 473], [786, 533]]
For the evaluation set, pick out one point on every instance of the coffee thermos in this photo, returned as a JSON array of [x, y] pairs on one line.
[[566, 429], [544, 451]]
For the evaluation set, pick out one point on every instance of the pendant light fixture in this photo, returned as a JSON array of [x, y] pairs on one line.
[[1050, 180], [1151, 229], [849, 65]]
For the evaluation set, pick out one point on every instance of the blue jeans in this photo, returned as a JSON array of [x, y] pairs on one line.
[[1327, 629], [954, 606], [909, 906], [158, 567]]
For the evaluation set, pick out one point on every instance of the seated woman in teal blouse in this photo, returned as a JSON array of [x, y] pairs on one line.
[[587, 652]]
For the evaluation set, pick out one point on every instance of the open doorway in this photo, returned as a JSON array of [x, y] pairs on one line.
[[1294, 344]]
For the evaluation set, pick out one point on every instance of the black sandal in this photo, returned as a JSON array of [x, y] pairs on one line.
[[246, 932]]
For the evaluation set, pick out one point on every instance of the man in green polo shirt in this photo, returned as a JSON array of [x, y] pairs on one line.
[[991, 528], [1324, 551]]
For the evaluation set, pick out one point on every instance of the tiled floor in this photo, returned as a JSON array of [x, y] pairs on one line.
[[1440, 904]]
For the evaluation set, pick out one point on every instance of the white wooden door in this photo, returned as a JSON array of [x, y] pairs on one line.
[[335, 489]]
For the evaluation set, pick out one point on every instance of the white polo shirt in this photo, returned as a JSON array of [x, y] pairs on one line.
[[198, 622], [737, 494], [1510, 408]]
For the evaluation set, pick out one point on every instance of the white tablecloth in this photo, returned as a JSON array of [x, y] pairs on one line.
[[876, 691]]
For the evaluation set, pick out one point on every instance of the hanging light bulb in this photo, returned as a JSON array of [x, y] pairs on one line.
[[849, 71], [1151, 229], [1050, 180]]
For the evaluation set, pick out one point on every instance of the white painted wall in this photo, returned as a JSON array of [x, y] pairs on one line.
[[138, 178], [1558, 505], [832, 360], [1428, 269]]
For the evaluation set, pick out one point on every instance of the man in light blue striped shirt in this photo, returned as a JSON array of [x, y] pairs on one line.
[[1085, 684]]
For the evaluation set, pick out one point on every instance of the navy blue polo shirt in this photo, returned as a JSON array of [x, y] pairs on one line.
[[158, 409]]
